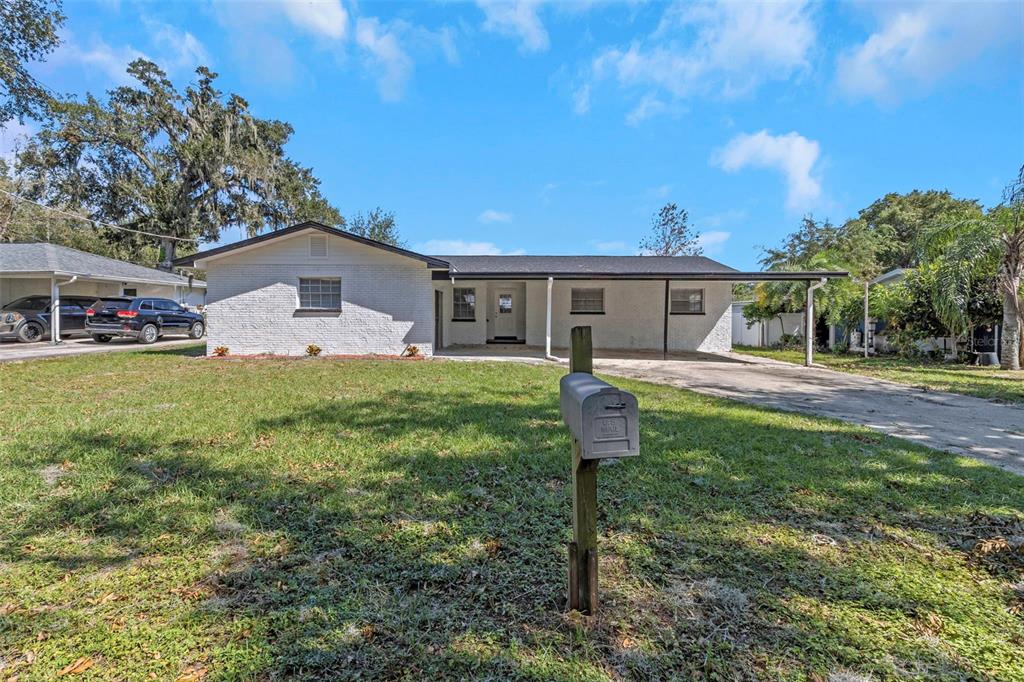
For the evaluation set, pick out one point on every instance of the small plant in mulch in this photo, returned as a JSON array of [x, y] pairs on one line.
[[411, 352], [220, 351], [313, 350]]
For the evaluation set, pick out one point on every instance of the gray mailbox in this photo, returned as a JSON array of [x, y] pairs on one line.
[[604, 419]]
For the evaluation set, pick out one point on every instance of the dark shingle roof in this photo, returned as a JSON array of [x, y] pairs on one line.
[[585, 265], [609, 267], [45, 258]]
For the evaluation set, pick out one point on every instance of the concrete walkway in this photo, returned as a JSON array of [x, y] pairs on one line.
[[988, 431], [13, 351]]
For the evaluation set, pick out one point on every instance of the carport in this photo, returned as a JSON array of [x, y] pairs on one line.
[[812, 280], [50, 269]]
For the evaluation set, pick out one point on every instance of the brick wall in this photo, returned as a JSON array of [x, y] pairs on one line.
[[387, 300]]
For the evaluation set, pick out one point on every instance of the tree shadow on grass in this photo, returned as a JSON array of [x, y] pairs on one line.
[[442, 555]]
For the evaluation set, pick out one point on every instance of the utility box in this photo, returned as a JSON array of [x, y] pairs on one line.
[[604, 419]]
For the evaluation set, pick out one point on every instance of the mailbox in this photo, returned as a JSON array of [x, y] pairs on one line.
[[604, 419]]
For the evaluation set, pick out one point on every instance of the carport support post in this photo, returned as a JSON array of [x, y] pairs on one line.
[[54, 311], [583, 548], [809, 321], [864, 336]]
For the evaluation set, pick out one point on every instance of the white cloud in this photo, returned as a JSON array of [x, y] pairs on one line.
[[459, 247], [659, 192], [13, 136], [546, 191], [648, 107], [326, 18], [737, 46], [727, 48], [516, 19], [386, 57], [612, 247], [112, 62], [581, 99], [182, 50], [791, 154], [493, 216], [713, 241], [916, 46], [726, 217]]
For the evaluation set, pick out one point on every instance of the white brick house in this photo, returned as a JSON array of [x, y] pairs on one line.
[[312, 284]]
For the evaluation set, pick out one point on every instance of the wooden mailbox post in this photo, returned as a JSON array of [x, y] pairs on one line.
[[604, 422], [583, 548]]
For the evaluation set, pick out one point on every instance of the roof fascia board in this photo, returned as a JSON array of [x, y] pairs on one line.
[[199, 260], [28, 274], [683, 277]]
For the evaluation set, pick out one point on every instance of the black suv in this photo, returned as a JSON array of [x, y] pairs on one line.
[[145, 319], [28, 319]]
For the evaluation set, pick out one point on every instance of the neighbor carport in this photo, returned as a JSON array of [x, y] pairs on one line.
[[49, 269]]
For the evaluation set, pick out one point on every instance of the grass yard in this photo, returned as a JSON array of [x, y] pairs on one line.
[[171, 517], [983, 382]]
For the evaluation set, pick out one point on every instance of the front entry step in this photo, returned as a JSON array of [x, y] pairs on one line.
[[506, 339]]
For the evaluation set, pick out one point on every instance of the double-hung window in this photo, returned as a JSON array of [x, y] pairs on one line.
[[464, 304], [587, 302], [687, 302], [320, 293]]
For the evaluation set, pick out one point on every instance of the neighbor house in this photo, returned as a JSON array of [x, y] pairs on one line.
[[312, 284], [41, 269]]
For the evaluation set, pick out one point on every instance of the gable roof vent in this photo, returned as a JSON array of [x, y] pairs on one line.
[[318, 246]]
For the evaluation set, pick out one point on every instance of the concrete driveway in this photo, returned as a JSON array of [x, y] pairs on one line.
[[15, 352], [988, 431]]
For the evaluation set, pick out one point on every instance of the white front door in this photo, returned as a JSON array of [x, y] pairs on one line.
[[505, 313]]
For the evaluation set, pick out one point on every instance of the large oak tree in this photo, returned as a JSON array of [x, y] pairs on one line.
[[185, 163], [28, 32]]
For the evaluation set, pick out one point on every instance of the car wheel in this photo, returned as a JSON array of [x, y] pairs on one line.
[[197, 331], [101, 338], [149, 334], [30, 333]]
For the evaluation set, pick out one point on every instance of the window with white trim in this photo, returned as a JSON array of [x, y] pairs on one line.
[[320, 293], [687, 302], [587, 301], [464, 303]]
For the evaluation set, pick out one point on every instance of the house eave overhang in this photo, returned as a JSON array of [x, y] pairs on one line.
[[658, 276], [98, 278]]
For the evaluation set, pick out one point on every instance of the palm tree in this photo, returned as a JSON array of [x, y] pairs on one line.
[[960, 255], [974, 247], [1010, 220]]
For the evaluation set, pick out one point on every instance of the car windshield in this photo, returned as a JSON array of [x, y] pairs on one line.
[[29, 303], [112, 303]]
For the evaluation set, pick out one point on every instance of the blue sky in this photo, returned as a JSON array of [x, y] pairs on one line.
[[561, 127]]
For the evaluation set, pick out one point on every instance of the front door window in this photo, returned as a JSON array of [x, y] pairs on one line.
[[505, 320]]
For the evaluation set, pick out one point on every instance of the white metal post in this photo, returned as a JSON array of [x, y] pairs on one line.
[[809, 322], [809, 327], [864, 336], [547, 341], [54, 311]]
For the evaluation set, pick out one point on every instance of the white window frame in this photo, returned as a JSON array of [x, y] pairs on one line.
[[455, 305], [573, 300], [684, 294], [321, 279], [309, 245]]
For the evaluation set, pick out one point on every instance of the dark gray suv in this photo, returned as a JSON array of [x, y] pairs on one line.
[[27, 319]]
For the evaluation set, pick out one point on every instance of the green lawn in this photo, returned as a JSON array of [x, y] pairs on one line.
[[984, 382], [163, 515]]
